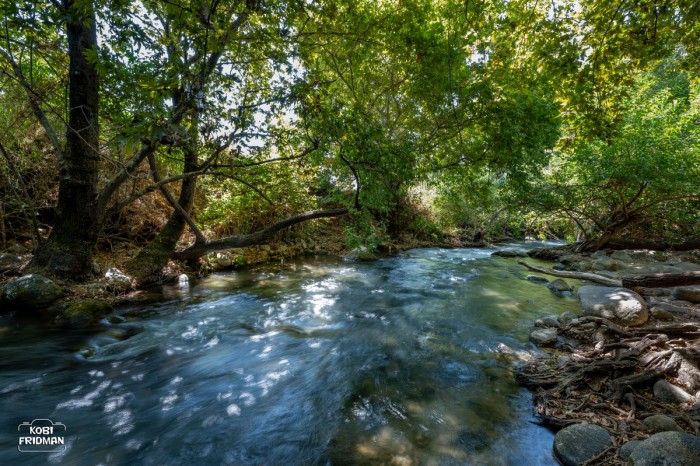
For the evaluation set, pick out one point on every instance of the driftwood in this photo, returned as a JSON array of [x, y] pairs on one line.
[[577, 275], [693, 243], [661, 280]]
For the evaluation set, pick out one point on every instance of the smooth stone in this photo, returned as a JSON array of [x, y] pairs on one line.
[[628, 448], [669, 393], [32, 290], [661, 314], [661, 423], [548, 322], [619, 305], [536, 279], [579, 443], [9, 262], [604, 263], [544, 336], [559, 285], [667, 449], [566, 318], [621, 256], [688, 293]]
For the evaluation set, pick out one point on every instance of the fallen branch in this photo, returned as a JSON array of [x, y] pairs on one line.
[[661, 280], [577, 275]]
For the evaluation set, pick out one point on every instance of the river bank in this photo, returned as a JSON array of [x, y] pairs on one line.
[[621, 383]]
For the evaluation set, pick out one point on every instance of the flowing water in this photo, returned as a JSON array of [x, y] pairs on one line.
[[406, 360]]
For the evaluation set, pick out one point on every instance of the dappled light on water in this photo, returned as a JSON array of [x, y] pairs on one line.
[[407, 361]]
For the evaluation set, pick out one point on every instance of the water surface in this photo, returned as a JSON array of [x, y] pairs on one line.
[[317, 361]]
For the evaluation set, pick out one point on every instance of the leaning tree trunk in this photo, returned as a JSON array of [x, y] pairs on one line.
[[69, 248], [149, 263]]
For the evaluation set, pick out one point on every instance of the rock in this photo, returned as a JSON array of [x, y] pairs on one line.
[[688, 293], [265, 248], [578, 443], [548, 254], [583, 266], [604, 263], [536, 279], [661, 314], [559, 285], [117, 280], [621, 256], [661, 423], [10, 263], [628, 448], [30, 291], [668, 449], [361, 253], [669, 393], [96, 268], [544, 336], [507, 253], [223, 261], [566, 318], [548, 322], [86, 311], [619, 305], [18, 249]]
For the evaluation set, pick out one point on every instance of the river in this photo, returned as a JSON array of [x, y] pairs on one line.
[[316, 361]]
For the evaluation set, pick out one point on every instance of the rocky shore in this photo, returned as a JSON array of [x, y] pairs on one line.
[[621, 381]]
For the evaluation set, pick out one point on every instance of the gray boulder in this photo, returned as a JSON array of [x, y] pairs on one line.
[[9, 263], [688, 293], [661, 314], [628, 448], [621, 256], [619, 305], [559, 285], [661, 423], [604, 263], [669, 393], [544, 336], [117, 280], [30, 291], [566, 318], [578, 443], [668, 449], [548, 322]]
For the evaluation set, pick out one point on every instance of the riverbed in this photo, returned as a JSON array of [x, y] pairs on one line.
[[406, 360]]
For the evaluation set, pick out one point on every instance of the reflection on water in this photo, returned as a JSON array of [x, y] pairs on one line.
[[399, 361]]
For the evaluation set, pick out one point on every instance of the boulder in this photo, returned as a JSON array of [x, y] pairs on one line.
[[620, 305], [621, 256], [30, 291], [566, 318], [18, 249], [559, 285], [117, 280], [668, 449], [578, 443], [604, 263], [548, 322], [544, 336], [9, 263], [661, 423], [688, 293], [628, 448], [361, 253], [86, 311], [669, 393]]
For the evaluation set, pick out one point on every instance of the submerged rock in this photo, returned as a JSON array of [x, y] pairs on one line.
[[536, 279], [559, 285], [30, 291], [86, 311], [578, 443], [668, 449], [509, 254], [619, 305]]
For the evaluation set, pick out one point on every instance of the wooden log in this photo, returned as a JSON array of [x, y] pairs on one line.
[[577, 275], [661, 280]]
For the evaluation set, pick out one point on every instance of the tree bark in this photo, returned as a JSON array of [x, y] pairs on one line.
[[69, 248], [661, 280]]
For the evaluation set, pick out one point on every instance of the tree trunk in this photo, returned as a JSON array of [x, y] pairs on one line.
[[148, 264], [69, 248], [661, 280]]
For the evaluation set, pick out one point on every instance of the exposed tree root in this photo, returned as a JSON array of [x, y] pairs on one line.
[[604, 376]]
